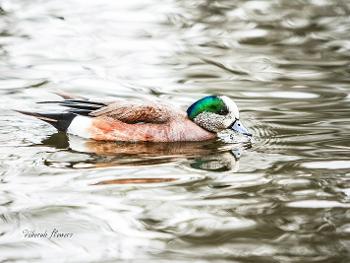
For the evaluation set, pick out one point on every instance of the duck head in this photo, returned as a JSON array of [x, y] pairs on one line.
[[217, 113]]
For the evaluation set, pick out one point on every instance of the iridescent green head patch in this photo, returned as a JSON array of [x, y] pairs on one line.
[[207, 104]]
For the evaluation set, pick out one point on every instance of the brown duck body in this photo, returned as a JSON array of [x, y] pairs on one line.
[[144, 121], [176, 129], [122, 120]]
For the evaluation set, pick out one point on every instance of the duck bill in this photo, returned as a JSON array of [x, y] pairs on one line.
[[238, 127]]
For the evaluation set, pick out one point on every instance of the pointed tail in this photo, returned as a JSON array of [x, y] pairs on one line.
[[60, 121]]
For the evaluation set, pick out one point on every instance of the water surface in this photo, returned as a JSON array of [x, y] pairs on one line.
[[283, 198]]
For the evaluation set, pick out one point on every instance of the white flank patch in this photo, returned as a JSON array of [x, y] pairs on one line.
[[80, 126]]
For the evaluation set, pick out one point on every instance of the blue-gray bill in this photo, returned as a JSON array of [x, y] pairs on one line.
[[238, 127]]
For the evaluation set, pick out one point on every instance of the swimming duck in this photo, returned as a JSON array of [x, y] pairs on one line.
[[123, 120]]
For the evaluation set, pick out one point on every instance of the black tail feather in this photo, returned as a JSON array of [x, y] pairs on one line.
[[80, 111], [72, 101], [84, 106], [86, 101], [60, 121]]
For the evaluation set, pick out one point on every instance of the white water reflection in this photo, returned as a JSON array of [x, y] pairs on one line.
[[328, 165]]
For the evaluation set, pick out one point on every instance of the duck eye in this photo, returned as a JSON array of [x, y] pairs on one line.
[[223, 111]]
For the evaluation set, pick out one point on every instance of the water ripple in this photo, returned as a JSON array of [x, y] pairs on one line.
[[284, 197]]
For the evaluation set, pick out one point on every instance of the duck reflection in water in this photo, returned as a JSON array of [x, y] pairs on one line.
[[209, 156]]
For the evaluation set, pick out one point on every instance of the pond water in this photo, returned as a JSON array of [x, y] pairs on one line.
[[283, 198]]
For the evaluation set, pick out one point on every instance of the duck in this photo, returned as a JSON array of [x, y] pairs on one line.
[[123, 120]]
